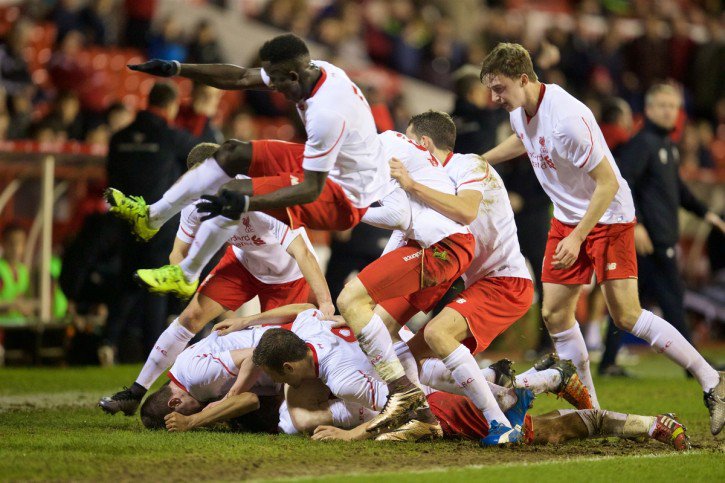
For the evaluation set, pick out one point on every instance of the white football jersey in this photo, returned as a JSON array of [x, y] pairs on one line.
[[342, 137], [341, 364], [497, 245], [427, 225], [260, 244], [206, 369], [564, 143]]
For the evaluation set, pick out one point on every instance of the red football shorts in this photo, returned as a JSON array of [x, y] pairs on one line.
[[230, 285], [492, 305], [459, 418], [420, 276], [608, 251], [278, 164]]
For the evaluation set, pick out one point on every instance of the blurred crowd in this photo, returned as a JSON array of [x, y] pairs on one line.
[[606, 53]]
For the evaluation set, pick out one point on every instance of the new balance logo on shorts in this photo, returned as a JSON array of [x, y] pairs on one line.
[[611, 266], [461, 300]]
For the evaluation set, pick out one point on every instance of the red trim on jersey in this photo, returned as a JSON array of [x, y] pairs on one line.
[[186, 233], [333, 146], [542, 89], [591, 141], [223, 365], [473, 181], [314, 357], [448, 158], [320, 81], [372, 389], [176, 381], [284, 236]]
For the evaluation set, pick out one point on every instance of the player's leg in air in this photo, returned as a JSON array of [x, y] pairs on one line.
[[200, 311], [218, 166]]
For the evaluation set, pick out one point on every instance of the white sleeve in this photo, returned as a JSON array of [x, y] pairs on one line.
[[283, 233], [575, 141], [473, 176], [188, 224], [394, 212], [325, 131], [397, 240]]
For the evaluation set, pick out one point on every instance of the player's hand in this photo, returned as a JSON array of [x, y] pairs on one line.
[[158, 67], [715, 220], [229, 204], [231, 325], [331, 433], [328, 310], [642, 241], [567, 251], [177, 422], [400, 174], [337, 321]]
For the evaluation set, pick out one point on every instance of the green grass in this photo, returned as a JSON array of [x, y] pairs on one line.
[[50, 429]]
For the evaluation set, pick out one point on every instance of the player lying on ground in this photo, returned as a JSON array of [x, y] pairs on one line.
[[594, 219], [310, 408], [325, 184]]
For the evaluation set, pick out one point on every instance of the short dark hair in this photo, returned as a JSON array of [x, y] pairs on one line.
[[278, 346], [155, 408], [611, 111], [283, 48], [509, 60], [162, 94], [437, 125]]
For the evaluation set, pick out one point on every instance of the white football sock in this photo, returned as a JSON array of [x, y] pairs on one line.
[[169, 345], [667, 340], [211, 236], [410, 366], [376, 343], [570, 345], [543, 381], [468, 376], [346, 414], [206, 178]]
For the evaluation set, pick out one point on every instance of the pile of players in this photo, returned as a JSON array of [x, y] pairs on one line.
[[359, 375]]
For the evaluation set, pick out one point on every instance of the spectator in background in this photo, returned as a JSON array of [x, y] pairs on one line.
[[241, 126], [67, 115], [99, 22], [14, 72], [118, 116], [145, 159], [168, 43], [204, 47], [66, 15], [15, 305], [650, 163], [476, 123], [616, 123], [196, 117], [139, 15]]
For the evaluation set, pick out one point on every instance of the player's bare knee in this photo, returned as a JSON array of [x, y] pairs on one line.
[[626, 319], [555, 320], [435, 337], [234, 157], [193, 318]]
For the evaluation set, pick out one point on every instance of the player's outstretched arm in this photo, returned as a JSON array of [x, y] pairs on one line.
[[248, 373], [221, 76], [278, 315], [231, 407], [462, 207], [310, 268], [510, 148]]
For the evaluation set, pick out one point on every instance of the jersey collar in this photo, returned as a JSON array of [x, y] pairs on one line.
[[448, 158], [315, 359], [318, 84], [542, 90]]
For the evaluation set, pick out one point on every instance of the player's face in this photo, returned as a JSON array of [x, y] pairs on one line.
[[288, 375], [182, 402], [663, 109], [284, 81], [507, 92]]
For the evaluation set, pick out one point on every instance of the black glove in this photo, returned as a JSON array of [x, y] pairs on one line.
[[229, 204], [158, 67]]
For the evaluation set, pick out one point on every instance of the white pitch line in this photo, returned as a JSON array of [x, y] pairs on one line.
[[446, 469]]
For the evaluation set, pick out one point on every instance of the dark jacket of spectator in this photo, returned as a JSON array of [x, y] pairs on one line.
[[650, 164]]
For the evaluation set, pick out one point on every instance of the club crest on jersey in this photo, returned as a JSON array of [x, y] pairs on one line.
[[247, 224]]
